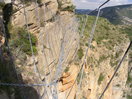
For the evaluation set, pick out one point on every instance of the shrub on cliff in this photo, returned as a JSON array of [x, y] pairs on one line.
[[69, 8], [101, 78], [80, 53], [20, 39], [2, 5]]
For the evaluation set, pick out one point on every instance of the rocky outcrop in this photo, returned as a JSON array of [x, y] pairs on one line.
[[2, 38], [65, 3], [36, 17], [57, 45], [49, 26], [67, 85], [97, 76], [57, 34], [64, 30]]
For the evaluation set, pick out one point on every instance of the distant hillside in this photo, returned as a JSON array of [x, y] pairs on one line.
[[104, 31], [82, 11], [118, 14], [105, 52], [121, 14]]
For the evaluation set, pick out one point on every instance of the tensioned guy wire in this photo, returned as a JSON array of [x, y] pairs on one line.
[[26, 85], [61, 57], [12, 59], [89, 41], [118, 67], [29, 36], [54, 94], [41, 40], [89, 45]]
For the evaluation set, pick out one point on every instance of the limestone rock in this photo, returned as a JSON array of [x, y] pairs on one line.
[[52, 39], [33, 15], [71, 77], [31, 61], [67, 84], [2, 38], [91, 89], [65, 3]]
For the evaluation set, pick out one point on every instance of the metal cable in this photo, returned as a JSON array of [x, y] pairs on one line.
[[84, 26], [41, 39], [118, 67], [54, 94], [89, 45], [47, 34], [89, 41], [29, 36], [61, 58], [27, 85], [12, 61]]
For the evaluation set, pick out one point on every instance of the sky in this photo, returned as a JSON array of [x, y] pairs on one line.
[[92, 4]]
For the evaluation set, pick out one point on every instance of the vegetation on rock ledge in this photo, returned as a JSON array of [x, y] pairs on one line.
[[20, 39], [101, 78]]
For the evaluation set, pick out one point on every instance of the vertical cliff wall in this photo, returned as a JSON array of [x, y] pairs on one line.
[[54, 31]]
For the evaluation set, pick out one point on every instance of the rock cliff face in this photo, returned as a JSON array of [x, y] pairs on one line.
[[56, 31], [51, 26], [97, 77], [55, 26], [2, 37], [102, 60]]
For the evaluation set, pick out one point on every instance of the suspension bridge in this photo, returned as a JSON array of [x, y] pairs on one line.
[[64, 44]]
